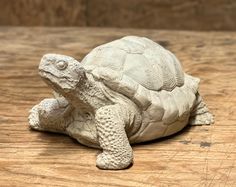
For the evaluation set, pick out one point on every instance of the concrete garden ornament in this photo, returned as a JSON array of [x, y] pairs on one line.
[[127, 91]]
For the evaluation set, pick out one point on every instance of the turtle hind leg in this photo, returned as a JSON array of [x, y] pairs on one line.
[[200, 114], [202, 119]]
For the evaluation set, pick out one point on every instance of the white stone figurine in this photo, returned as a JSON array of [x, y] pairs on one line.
[[127, 91]]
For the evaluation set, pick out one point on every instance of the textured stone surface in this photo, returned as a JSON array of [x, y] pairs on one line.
[[114, 118], [201, 155]]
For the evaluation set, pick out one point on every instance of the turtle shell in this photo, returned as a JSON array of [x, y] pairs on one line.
[[134, 66], [136, 58], [149, 75]]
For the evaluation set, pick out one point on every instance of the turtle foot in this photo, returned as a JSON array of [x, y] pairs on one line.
[[34, 118], [113, 162]]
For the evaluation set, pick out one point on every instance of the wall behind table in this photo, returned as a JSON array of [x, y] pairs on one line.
[[153, 14], [43, 12]]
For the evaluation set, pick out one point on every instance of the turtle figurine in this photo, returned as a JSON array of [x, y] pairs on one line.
[[127, 91]]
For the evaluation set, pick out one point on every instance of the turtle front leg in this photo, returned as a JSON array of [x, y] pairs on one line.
[[51, 114], [117, 152]]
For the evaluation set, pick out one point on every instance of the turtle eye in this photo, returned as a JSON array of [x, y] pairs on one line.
[[61, 65]]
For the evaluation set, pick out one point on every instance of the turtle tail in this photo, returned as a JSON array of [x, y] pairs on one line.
[[200, 114]]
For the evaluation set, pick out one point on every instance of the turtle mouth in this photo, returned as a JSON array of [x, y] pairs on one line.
[[47, 74], [57, 83], [51, 80]]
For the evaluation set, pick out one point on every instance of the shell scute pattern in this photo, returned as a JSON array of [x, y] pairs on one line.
[[137, 42], [140, 70], [171, 110], [150, 68], [150, 134], [149, 75], [109, 76], [179, 74], [127, 44], [128, 86], [168, 69], [105, 58], [181, 101], [192, 83], [190, 88], [142, 97], [176, 126], [156, 109], [154, 64]]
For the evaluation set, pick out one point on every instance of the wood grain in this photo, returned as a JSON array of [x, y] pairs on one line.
[[197, 156]]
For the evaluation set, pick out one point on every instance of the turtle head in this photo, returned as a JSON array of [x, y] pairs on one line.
[[62, 73]]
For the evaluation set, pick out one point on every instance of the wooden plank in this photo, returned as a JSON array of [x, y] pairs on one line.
[[197, 156]]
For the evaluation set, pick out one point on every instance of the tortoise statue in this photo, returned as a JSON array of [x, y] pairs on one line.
[[127, 91]]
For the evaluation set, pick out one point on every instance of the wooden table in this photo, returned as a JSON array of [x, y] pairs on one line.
[[197, 156]]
